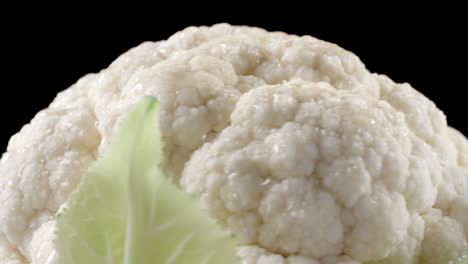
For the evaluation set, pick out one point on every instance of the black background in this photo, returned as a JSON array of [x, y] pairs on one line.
[[45, 53]]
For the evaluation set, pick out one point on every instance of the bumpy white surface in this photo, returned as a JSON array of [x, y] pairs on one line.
[[292, 143]]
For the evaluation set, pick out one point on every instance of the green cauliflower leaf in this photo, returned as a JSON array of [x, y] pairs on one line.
[[127, 211]]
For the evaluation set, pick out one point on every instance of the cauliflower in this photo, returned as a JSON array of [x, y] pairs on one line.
[[290, 141]]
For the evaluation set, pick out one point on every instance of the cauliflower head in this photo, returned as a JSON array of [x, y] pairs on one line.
[[290, 141]]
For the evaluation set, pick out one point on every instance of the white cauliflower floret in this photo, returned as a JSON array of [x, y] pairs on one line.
[[308, 169], [9, 255], [43, 164], [292, 143], [444, 238], [41, 247]]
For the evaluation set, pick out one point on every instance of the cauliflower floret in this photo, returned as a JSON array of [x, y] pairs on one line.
[[308, 169], [9, 255], [444, 238], [43, 164], [292, 143], [256, 255], [41, 248]]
